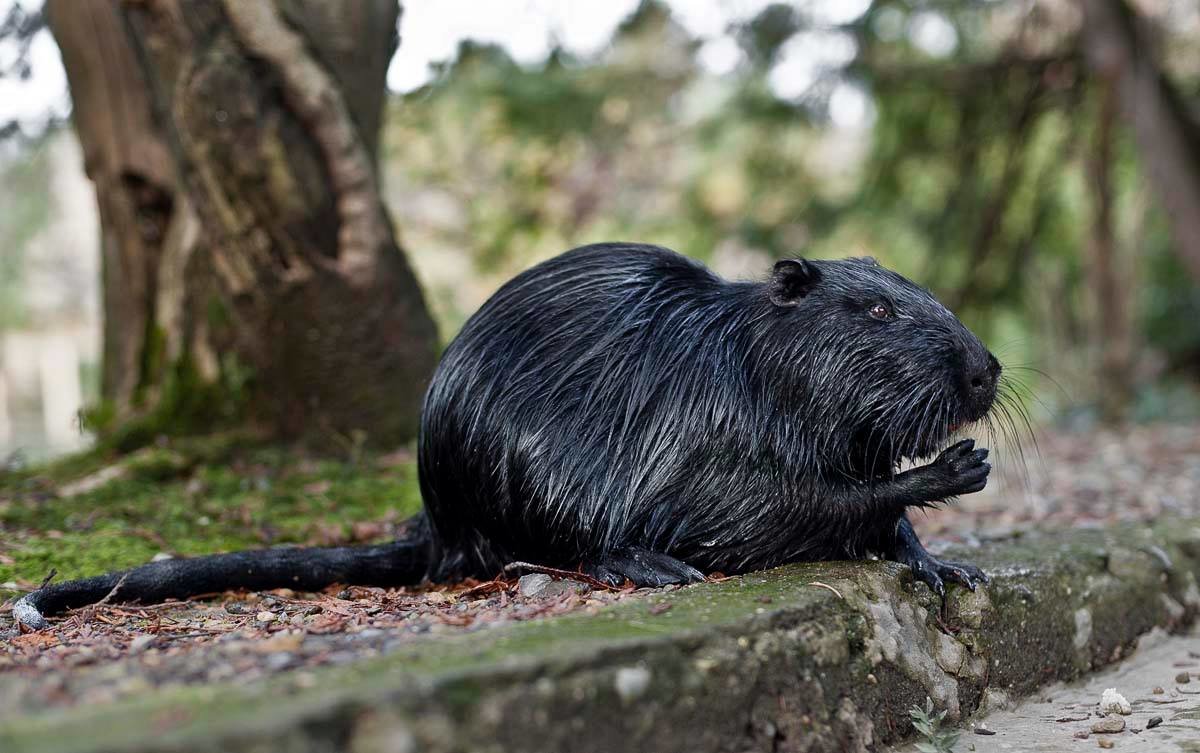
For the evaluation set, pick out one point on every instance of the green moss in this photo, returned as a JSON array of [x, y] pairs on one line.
[[190, 498], [772, 629], [154, 356]]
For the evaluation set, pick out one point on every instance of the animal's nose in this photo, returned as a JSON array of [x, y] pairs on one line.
[[983, 380]]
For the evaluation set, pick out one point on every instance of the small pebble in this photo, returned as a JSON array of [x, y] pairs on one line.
[[1157, 690], [1104, 743], [533, 583], [981, 730], [1109, 725], [1154, 722], [1082, 734], [265, 616], [237, 607], [1183, 678], [141, 643]]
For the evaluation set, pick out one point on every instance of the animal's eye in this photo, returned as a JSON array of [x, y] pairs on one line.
[[880, 311]]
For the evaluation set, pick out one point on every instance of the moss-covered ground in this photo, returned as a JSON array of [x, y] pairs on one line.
[[189, 498]]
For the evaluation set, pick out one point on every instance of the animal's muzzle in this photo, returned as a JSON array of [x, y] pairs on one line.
[[981, 381]]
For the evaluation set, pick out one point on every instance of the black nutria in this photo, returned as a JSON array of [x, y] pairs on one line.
[[623, 410]]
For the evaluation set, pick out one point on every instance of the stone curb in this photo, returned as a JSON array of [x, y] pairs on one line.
[[821, 657]]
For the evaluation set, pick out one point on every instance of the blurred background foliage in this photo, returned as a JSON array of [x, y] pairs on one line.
[[962, 143], [957, 155]]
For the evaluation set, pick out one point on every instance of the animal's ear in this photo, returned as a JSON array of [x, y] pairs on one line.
[[791, 280]]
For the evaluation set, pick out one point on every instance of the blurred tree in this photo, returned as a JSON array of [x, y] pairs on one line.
[[1122, 56], [1001, 158], [992, 170], [250, 271], [1111, 320]]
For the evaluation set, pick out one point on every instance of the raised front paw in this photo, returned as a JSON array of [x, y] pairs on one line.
[[646, 569], [960, 469], [935, 572]]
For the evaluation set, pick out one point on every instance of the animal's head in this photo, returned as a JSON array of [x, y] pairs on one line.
[[880, 365]]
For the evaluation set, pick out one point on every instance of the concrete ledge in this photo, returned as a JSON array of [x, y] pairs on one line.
[[824, 657]]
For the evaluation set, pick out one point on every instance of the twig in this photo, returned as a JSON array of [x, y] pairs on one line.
[[947, 629], [570, 574], [183, 636], [89, 612], [150, 608], [819, 584], [49, 577], [108, 596], [486, 587]]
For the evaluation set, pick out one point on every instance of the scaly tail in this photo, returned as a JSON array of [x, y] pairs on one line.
[[401, 562]]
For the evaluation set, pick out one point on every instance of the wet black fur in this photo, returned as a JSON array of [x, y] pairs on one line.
[[621, 402]]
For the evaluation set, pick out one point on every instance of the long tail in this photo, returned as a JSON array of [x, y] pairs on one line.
[[401, 562]]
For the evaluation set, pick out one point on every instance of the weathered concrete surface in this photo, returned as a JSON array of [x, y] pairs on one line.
[[1051, 719], [824, 657]]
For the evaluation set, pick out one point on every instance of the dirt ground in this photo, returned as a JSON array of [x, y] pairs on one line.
[[1078, 479]]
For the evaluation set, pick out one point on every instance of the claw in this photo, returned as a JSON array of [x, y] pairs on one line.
[[958, 449], [934, 573], [644, 568]]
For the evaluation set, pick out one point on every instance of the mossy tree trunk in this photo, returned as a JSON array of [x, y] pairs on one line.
[[251, 274]]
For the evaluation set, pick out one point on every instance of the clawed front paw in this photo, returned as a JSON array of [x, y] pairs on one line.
[[961, 469], [934, 573]]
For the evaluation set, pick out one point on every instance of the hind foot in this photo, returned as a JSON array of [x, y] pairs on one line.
[[935, 572], [646, 569], [929, 569]]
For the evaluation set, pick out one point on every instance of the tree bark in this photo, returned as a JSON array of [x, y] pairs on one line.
[[1109, 280], [1118, 50], [130, 165], [251, 271]]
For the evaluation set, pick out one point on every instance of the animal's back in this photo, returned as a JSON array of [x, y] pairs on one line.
[[553, 423]]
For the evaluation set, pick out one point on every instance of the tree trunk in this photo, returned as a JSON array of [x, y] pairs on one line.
[[1109, 281], [250, 269], [1118, 50]]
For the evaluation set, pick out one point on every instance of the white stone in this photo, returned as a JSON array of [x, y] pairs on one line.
[[1112, 702], [631, 682], [1083, 628]]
